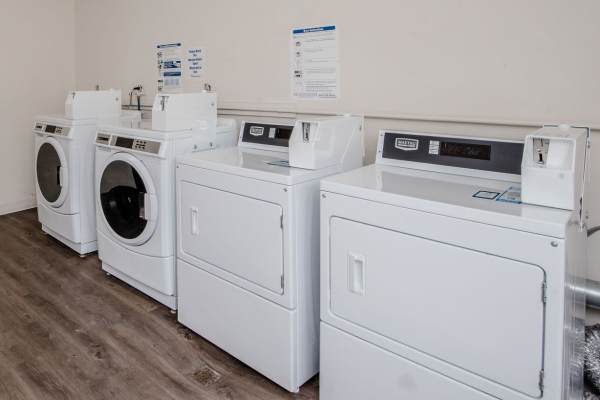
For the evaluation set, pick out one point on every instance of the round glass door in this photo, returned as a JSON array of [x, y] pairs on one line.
[[48, 171], [123, 197]]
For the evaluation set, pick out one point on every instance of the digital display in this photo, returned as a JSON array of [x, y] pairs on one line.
[[466, 150], [124, 142], [283, 133], [50, 128]]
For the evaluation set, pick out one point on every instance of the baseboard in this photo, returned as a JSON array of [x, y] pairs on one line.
[[19, 205]]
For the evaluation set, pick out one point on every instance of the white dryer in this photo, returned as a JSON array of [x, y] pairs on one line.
[[135, 189], [64, 165], [248, 248], [438, 283]]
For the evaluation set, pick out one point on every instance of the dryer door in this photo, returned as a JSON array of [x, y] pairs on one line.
[[127, 199], [236, 234], [459, 305], [52, 172]]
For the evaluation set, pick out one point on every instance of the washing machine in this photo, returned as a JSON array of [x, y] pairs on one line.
[[64, 165], [135, 188], [438, 282], [248, 249]]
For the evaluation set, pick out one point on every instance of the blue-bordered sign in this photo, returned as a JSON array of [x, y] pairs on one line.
[[486, 194]]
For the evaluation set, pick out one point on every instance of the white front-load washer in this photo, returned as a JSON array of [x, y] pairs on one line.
[[248, 248], [135, 195], [64, 166], [438, 283]]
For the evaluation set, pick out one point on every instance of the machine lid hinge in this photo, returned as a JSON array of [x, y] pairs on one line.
[[281, 221], [544, 292], [282, 282], [541, 382]]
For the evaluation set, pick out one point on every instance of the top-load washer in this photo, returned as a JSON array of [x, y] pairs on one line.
[[64, 165], [135, 188], [437, 282], [248, 248]]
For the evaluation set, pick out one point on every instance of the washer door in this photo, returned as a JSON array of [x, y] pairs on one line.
[[52, 172], [127, 199]]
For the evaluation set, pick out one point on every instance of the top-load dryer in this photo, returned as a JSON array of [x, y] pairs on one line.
[[64, 165], [437, 282], [135, 187], [248, 248]]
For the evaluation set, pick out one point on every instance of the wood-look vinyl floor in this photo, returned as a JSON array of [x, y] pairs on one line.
[[67, 331]]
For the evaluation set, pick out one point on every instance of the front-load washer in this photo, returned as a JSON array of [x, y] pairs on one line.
[[248, 248], [438, 283], [135, 193], [64, 165]]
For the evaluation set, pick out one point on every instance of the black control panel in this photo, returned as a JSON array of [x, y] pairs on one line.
[[125, 142], [267, 134], [486, 155]]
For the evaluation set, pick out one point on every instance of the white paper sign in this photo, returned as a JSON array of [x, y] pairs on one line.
[[168, 57], [315, 63], [195, 62]]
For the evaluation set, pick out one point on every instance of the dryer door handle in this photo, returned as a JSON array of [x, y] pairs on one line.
[[144, 200], [356, 273], [58, 177], [194, 220]]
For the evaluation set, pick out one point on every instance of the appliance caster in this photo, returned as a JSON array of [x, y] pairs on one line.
[[173, 312], [108, 274], [82, 256]]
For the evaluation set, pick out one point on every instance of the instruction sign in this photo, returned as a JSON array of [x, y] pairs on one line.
[[168, 57], [511, 195], [195, 62], [315, 63]]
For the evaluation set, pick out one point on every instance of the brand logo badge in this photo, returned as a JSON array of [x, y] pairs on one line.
[[257, 130], [407, 144]]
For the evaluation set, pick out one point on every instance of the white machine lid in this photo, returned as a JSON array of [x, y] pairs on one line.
[[450, 195], [263, 165], [466, 178]]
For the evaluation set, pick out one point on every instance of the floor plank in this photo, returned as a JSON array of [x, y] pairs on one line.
[[67, 331]]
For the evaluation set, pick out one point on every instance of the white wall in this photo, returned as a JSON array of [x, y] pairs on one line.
[[37, 69], [509, 60]]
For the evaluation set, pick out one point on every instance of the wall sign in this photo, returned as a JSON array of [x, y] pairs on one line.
[[315, 63], [195, 61], [168, 57]]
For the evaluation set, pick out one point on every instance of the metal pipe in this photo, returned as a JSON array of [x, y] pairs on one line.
[[592, 293]]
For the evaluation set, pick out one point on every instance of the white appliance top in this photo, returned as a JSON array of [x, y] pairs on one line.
[[62, 120], [271, 166], [475, 195], [143, 128]]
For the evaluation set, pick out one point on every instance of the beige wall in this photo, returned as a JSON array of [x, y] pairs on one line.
[[487, 60], [37, 68]]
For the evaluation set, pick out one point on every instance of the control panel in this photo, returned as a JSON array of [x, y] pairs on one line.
[[266, 134], [50, 129], [462, 152], [124, 142]]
